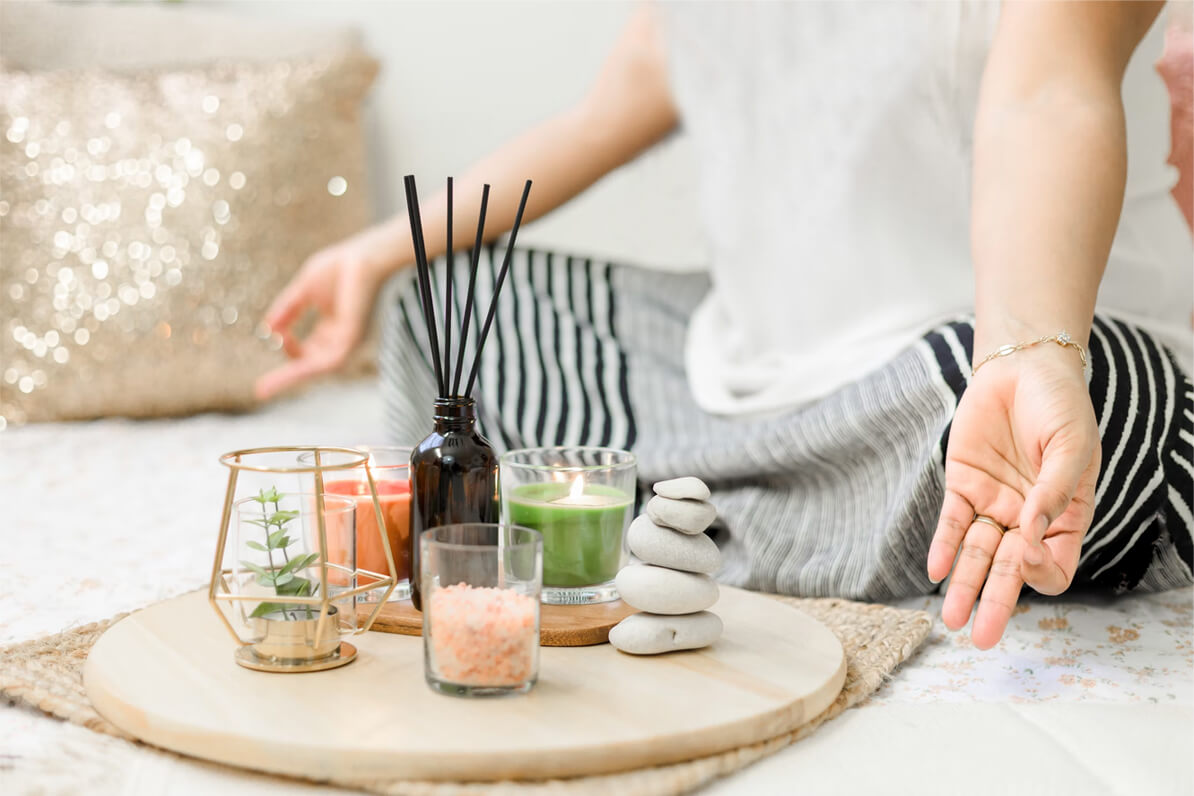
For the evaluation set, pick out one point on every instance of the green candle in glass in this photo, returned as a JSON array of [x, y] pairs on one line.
[[581, 501]]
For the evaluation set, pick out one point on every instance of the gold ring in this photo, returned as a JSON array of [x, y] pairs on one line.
[[994, 523]]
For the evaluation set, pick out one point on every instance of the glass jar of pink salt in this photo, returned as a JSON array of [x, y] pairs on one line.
[[482, 583]]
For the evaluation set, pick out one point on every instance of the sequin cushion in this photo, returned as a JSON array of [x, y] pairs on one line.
[[147, 219]]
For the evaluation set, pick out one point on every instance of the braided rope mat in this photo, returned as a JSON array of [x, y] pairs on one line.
[[47, 674]]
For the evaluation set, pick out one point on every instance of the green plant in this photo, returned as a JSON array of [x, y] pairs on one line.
[[281, 577]]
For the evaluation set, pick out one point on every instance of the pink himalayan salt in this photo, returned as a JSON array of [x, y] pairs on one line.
[[483, 636]]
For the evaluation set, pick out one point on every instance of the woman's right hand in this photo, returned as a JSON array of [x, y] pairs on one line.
[[339, 283]]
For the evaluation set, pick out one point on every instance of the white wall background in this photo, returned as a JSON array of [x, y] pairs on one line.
[[458, 78]]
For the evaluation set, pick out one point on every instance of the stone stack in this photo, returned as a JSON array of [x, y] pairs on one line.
[[674, 585]]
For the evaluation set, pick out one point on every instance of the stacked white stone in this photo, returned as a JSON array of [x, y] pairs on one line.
[[673, 586]]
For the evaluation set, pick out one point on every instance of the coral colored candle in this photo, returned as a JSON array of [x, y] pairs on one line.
[[394, 497]]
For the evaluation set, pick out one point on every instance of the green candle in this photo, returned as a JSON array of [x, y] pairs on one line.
[[582, 527]]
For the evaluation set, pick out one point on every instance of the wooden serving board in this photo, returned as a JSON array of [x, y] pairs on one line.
[[559, 625], [166, 675]]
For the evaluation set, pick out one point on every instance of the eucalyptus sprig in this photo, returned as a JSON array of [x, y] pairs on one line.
[[281, 578]]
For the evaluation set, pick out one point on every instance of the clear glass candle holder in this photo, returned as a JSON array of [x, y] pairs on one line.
[[285, 579], [480, 587], [390, 467], [582, 500]]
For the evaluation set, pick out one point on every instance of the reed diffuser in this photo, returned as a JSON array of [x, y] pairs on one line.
[[454, 471]]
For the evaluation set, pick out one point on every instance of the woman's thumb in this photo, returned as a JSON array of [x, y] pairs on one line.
[[1062, 465], [287, 308]]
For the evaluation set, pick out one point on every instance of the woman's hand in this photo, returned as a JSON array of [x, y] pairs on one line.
[[1023, 450], [339, 283]]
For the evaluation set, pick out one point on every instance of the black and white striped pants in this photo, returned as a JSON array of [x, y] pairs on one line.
[[836, 498]]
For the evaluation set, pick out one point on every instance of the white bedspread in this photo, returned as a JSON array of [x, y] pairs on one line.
[[1085, 693]]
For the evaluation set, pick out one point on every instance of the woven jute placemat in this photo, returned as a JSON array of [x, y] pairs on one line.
[[47, 674]]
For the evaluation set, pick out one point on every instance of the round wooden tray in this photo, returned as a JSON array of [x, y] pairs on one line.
[[559, 625], [166, 675]]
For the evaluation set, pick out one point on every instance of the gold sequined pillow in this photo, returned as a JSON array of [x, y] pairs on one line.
[[147, 219]]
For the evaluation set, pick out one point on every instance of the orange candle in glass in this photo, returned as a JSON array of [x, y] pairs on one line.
[[390, 468]]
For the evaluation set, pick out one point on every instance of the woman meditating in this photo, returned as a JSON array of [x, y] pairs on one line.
[[948, 312]]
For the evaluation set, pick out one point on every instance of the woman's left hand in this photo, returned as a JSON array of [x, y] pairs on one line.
[[1023, 450]]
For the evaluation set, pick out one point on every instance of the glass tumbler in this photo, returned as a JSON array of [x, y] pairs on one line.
[[582, 500], [481, 584], [390, 467]]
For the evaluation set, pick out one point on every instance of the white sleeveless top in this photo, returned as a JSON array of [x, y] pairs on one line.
[[835, 142]]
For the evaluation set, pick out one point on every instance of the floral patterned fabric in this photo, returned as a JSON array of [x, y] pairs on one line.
[[1077, 648]]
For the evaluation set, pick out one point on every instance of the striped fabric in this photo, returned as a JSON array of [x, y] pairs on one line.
[[837, 498]]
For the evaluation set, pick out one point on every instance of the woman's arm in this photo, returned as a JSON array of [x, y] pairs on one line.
[[1049, 171], [627, 110], [1049, 165]]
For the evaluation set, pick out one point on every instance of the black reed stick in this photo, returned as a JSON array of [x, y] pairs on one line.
[[414, 243], [472, 281], [448, 296], [522, 204], [416, 233]]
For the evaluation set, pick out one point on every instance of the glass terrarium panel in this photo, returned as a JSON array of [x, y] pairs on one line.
[[388, 468], [291, 470], [276, 568]]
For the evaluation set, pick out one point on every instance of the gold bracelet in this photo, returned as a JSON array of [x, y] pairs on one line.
[[1062, 338]]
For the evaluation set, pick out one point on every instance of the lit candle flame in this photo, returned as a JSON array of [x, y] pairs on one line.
[[576, 497]]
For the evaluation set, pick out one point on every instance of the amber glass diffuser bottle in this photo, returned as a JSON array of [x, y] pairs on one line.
[[453, 477], [454, 471]]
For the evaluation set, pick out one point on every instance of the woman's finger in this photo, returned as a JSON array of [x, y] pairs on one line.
[[1062, 465], [956, 514], [974, 560], [1055, 571], [1000, 592], [287, 305], [288, 375], [286, 309]]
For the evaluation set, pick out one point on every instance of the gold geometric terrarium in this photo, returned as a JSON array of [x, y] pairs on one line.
[[285, 580]]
